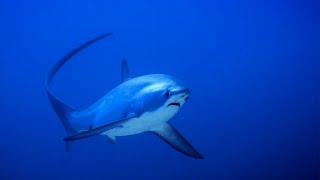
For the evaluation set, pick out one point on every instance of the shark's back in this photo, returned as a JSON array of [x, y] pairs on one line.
[[121, 102]]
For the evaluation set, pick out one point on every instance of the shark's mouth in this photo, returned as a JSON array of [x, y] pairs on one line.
[[174, 104]]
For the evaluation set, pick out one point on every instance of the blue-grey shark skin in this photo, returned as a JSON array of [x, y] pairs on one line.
[[133, 97], [137, 105]]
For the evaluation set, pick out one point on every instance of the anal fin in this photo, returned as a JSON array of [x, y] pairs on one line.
[[171, 136], [111, 139], [68, 146]]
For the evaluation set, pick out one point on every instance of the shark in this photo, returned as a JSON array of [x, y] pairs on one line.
[[137, 105]]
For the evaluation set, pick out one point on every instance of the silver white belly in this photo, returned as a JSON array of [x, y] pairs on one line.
[[148, 121]]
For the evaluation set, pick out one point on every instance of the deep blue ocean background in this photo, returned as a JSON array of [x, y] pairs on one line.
[[253, 69]]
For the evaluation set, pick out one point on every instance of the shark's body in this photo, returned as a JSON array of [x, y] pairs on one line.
[[137, 105]]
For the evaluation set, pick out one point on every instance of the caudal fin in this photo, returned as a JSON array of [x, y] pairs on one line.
[[62, 109]]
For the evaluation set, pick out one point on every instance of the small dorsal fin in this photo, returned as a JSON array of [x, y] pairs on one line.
[[125, 74]]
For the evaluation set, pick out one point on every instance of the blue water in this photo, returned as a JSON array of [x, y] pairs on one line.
[[252, 67]]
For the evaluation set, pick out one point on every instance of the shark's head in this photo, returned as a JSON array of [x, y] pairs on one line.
[[177, 95], [163, 94]]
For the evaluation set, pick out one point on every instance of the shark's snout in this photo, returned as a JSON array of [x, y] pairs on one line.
[[182, 95], [187, 94], [184, 91]]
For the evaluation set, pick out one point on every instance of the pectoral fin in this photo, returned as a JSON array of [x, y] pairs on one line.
[[99, 130], [171, 136]]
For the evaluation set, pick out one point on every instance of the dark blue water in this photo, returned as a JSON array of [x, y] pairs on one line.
[[253, 69]]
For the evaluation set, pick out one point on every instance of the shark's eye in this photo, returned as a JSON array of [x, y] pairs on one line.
[[168, 94]]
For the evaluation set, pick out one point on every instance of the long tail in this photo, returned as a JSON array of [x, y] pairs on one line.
[[62, 109]]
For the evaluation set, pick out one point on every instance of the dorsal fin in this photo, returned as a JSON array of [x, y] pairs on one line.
[[61, 108], [125, 74]]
